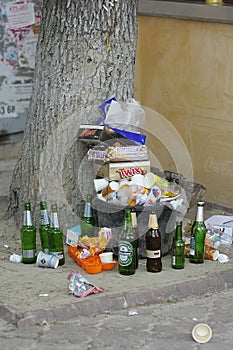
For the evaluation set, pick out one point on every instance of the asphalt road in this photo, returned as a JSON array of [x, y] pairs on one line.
[[162, 326]]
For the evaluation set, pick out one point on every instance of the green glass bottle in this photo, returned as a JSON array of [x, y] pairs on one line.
[[127, 247], [44, 227], [178, 252], [198, 233], [88, 220], [56, 245], [135, 233], [28, 237], [153, 245]]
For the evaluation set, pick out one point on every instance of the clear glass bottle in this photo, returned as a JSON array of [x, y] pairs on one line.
[[88, 220], [153, 245], [28, 237], [44, 227], [198, 233], [56, 245], [127, 247], [178, 248]]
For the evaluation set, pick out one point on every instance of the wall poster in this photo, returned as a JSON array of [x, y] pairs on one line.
[[19, 29]]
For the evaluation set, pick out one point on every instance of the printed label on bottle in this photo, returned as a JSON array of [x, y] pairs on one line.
[[29, 253], [54, 220], [27, 218], [153, 254], [125, 253], [44, 217], [192, 246], [173, 260]]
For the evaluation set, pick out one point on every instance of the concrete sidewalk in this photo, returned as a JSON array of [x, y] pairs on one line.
[[31, 295]]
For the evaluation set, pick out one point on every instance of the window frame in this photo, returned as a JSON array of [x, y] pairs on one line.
[[194, 10]]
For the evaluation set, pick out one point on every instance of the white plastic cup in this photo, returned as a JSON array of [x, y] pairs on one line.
[[47, 260], [100, 184], [138, 179], [149, 180], [113, 186], [106, 257]]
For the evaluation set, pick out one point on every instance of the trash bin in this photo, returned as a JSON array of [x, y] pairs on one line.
[[112, 216]]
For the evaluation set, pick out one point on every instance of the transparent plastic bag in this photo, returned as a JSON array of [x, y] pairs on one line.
[[129, 115]]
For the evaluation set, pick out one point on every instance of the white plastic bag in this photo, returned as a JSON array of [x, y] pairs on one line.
[[129, 115]]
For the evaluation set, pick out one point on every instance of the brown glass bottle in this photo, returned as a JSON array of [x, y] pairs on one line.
[[153, 245]]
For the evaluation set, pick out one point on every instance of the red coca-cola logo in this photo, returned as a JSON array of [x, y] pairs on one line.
[[129, 172]]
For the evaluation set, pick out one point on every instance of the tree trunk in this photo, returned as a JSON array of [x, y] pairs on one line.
[[86, 54]]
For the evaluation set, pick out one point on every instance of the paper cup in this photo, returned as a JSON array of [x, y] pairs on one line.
[[138, 179], [47, 260], [100, 184], [201, 333], [106, 257], [149, 180], [113, 186], [153, 196]]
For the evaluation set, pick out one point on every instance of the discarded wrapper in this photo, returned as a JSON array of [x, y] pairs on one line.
[[15, 258], [222, 258], [80, 286]]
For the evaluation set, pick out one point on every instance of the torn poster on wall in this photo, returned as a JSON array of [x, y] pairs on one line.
[[19, 29]]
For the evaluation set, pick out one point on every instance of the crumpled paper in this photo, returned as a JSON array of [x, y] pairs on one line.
[[222, 258], [80, 286]]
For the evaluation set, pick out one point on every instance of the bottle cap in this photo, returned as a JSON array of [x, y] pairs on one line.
[[201, 333]]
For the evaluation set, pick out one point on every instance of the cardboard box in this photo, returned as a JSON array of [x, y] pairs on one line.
[[121, 170], [73, 235], [104, 153], [95, 134]]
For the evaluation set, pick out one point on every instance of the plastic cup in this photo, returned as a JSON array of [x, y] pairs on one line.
[[202, 333], [149, 180], [106, 257], [100, 184], [138, 179], [47, 260], [113, 186]]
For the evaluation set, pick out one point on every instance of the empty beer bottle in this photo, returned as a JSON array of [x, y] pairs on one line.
[[198, 233], [88, 220], [44, 227], [153, 245], [178, 257], [127, 247], [135, 233], [28, 237], [56, 246]]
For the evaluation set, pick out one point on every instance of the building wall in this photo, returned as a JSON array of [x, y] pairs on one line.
[[184, 71]]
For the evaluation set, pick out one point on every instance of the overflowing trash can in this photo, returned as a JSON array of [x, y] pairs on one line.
[[112, 215]]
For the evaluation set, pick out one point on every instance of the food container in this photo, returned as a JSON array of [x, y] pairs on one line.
[[121, 170], [92, 264], [95, 134], [117, 153], [106, 257]]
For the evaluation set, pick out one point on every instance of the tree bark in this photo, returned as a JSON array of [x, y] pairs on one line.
[[85, 54]]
